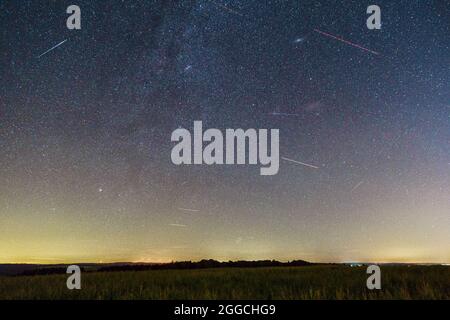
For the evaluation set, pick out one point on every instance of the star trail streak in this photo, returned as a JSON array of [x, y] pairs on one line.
[[301, 163], [346, 41], [52, 48], [220, 5]]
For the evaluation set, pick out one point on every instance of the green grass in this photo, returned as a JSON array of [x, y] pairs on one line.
[[311, 282]]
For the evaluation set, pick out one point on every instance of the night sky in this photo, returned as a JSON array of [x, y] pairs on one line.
[[85, 167]]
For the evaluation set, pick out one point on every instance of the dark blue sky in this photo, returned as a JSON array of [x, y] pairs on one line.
[[85, 170]]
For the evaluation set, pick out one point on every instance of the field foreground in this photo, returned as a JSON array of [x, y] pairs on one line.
[[309, 282]]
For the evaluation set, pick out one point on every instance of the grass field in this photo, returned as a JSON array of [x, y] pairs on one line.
[[309, 282]]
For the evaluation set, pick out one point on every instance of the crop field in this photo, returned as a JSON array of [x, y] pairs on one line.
[[308, 282]]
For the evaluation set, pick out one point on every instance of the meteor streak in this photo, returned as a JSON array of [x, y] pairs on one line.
[[346, 41], [357, 186], [298, 162], [226, 8], [284, 114], [178, 225], [190, 210], [52, 48]]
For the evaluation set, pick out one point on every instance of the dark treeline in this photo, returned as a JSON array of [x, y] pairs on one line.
[[203, 264], [206, 264], [46, 271]]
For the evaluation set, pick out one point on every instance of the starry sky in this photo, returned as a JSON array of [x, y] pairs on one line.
[[85, 169]]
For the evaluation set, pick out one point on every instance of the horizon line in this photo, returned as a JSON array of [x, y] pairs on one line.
[[223, 261]]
